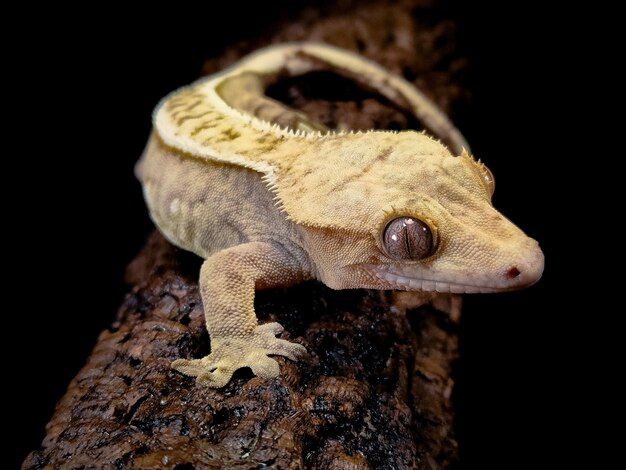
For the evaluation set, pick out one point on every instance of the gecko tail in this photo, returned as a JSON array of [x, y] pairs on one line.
[[297, 58]]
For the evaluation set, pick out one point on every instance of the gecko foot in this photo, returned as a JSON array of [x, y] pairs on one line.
[[231, 353]]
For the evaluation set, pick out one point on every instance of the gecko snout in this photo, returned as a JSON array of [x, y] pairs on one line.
[[527, 270]]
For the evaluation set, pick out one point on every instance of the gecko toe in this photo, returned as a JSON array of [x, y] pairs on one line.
[[293, 351], [191, 367], [216, 379], [273, 328], [263, 366]]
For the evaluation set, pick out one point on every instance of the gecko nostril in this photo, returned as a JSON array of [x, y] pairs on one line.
[[513, 272]]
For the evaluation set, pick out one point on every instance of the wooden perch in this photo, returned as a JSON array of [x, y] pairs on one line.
[[375, 391]]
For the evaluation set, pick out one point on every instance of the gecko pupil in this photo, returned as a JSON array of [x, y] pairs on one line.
[[408, 238]]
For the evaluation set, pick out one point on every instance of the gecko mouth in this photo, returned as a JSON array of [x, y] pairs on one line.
[[400, 282]]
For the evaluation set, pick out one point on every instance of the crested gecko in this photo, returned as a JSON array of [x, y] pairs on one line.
[[269, 198]]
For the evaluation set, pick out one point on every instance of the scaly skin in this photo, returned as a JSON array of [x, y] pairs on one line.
[[270, 206]]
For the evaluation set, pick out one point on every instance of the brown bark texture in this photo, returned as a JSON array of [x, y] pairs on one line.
[[375, 391]]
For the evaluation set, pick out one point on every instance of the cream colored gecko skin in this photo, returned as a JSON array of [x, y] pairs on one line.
[[270, 198]]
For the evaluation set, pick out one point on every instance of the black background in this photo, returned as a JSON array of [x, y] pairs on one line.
[[91, 84]]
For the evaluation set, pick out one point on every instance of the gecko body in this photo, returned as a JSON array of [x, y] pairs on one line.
[[270, 198]]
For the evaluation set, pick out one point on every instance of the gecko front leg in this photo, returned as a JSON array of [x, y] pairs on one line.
[[227, 283]]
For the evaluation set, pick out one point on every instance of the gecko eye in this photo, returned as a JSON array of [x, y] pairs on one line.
[[407, 238]]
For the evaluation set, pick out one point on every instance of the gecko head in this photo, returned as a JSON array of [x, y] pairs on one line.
[[432, 227]]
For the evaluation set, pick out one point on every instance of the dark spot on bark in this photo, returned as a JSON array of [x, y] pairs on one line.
[[135, 363], [133, 409]]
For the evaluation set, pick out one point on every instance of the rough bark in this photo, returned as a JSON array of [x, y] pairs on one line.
[[375, 392]]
